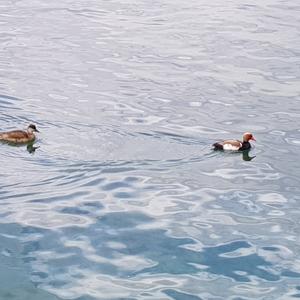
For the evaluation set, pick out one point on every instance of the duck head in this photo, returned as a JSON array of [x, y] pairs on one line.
[[247, 136], [32, 128]]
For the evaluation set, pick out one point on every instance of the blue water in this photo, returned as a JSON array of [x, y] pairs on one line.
[[121, 197]]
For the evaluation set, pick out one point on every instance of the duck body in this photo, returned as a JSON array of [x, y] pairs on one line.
[[19, 136], [235, 145]]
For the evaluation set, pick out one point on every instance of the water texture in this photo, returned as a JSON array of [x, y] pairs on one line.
[[121, 197]]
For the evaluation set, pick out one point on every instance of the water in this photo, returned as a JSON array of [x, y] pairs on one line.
[[121, 196]]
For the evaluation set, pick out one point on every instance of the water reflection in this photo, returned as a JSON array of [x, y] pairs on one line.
[[125, 199], [120, 245], [246, 155], [30, 147]]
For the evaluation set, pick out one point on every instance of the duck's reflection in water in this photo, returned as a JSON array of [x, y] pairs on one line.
[[31, 148], [246, 156]]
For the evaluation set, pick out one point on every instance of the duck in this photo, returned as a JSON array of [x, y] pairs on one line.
[[235, 145], [19, 136]]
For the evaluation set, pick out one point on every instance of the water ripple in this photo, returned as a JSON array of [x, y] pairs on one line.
[[123, 197]]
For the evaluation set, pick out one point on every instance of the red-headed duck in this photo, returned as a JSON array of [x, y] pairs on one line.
[[235, 145]]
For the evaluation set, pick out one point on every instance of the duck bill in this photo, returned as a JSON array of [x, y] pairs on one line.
[[36, 130], [253, 139]]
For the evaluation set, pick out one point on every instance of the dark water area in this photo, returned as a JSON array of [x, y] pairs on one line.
[[122, 196]]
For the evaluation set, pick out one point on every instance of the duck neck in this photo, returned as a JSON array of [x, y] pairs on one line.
[[30, 132], [245, 145]]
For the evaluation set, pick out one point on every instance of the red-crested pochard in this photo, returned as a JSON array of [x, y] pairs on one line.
[[235, 145], [19, 136]]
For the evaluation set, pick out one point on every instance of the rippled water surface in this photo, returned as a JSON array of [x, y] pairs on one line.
[[121, 196]]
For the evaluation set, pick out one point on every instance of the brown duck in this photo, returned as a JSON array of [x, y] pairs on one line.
[[19, 136], [235, 145]]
